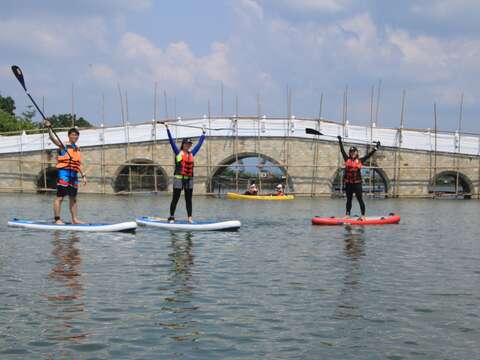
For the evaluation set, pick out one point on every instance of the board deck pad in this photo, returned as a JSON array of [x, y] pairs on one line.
[[90, 227], [369, 220], [184, 225]]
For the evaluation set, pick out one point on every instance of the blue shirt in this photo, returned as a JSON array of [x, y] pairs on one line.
[[175, 148]]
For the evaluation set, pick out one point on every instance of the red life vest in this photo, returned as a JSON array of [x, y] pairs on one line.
[[184, 164], [353, 174], [70, 159]]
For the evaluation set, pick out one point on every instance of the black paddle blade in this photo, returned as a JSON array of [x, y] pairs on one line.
[[312, 131], [19, 75]]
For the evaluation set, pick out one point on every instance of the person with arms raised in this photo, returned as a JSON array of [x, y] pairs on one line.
[[352, 176], [183, 175]]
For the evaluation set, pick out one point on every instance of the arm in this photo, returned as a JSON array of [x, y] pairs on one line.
[[344, 154], [174, 146], [199, 145], [82, 174], [51, 135], [366, 157]]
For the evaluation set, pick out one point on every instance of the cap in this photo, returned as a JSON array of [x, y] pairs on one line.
[[187, 141]]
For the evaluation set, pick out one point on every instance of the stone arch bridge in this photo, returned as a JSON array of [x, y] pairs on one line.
[[411, 163]]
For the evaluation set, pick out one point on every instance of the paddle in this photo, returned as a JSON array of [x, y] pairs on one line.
[[318, 133], [314, 132], [19, 75], [191, 126]]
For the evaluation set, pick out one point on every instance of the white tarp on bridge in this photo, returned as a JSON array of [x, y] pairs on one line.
[[263, 127]]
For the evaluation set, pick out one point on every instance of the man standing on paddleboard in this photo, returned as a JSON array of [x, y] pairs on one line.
[[69, 165], [352, 176], [183, 176]]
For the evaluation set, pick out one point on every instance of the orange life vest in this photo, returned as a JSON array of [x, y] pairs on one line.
[[353, 173], [70, 159], [184, 164]]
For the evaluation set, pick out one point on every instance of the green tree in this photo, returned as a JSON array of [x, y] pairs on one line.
[[10, 122], [65, 121], [7, 104]]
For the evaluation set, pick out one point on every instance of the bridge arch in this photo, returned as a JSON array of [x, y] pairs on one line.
[[47, 179], [236, 172], [374, 181], [140, 175], [451, 183]]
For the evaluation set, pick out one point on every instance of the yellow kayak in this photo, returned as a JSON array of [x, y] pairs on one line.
[[235, 196]]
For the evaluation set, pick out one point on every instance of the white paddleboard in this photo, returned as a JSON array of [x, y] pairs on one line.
[[182, 225], [46, 225]]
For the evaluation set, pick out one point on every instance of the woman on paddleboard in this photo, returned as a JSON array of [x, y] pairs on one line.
[[352, 176], [183, 176], [69, 166]]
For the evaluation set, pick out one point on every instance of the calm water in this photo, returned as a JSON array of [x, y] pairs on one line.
[[277, 289]]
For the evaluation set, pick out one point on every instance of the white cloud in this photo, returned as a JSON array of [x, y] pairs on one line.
[[53, 39], [445, 8], [306, 6], [102, 72], [433, 59], [317, 5], [176, 67]]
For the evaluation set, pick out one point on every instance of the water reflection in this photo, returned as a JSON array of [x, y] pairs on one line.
[[354, 250], [65, 300], [180, 300]]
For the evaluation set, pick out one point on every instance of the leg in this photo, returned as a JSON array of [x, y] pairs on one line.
[[188, 202], [173, 204], [72, 199], [57, 204], [74, 210], [349, 193], [57, 207], [358, 194]]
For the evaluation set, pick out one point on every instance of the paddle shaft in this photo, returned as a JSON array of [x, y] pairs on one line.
[[192, 126], [19, 75]]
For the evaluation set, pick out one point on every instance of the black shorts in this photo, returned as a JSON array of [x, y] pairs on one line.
[[63, 191]]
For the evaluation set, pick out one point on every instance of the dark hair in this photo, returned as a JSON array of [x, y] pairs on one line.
[[73, 130]]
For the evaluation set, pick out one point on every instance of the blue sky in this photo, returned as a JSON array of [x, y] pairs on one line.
[[430, 48]]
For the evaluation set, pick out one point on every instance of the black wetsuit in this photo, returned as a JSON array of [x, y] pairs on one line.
[[353, 182]]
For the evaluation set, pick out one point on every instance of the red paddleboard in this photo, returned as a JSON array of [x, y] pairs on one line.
[[369, 220]]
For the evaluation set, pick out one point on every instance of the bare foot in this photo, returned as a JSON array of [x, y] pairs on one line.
[[76, 221], [361, 218], [59, 222], [190, 220], [346, 217]]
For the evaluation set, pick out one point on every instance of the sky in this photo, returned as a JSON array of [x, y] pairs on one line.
[[255, 49]]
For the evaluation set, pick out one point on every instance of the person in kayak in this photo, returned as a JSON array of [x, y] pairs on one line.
[[252, 190], [279, 190], [352, 176], [69, 165], [183, 175]]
